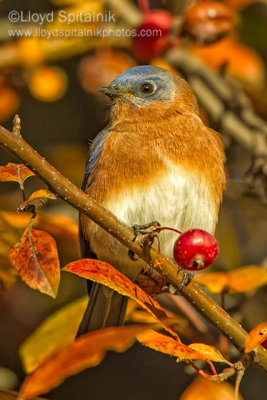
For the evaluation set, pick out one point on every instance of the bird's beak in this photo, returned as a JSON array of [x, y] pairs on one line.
[[110, 91]]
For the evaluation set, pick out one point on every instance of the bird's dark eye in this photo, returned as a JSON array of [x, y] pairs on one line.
[[147, 88]]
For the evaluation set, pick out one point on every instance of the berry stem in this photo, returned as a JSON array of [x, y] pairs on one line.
[[162, 228], [199, 370], [212, 367]]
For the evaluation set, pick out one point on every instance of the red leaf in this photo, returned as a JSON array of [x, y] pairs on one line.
[[15, 172], [104, 273], [36, 260]]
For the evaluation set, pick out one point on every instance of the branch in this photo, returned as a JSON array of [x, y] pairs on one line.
[[68, 192]]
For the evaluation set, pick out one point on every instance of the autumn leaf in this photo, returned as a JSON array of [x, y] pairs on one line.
[[142, 316], [15, 173], [87, 351], [104, 273], [168, 345], [36, 260], [201, 389], [209, 352], [15, 220], [57, 331], [241, 280], [256, 337], [56, 224], [37, 200], [10, 395]]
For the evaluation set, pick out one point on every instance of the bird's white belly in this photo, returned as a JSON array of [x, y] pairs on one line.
[[180, 200]]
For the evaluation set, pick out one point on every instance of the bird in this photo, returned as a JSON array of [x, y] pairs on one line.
[[155, 160]]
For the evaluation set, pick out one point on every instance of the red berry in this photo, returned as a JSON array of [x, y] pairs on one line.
[[195, 250], [152, 35]]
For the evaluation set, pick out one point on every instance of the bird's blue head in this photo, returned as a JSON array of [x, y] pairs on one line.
[[144, 85]]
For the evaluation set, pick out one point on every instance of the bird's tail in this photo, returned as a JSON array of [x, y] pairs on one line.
[[105, 308]]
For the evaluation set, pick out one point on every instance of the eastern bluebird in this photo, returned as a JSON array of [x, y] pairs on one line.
[[155, 160]]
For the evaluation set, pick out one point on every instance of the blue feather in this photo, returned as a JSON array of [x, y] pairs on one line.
[[94, 154]]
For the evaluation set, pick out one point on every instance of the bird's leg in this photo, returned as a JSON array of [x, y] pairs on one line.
[[138, 229], [186, 279]]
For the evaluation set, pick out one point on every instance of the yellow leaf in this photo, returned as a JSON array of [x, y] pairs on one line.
[[55, 332]]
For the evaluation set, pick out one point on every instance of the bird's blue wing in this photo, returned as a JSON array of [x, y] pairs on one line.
[[94, 154], [102, 310]]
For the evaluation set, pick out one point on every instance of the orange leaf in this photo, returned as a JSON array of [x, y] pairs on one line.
[[37, 200], [57, 225], [240, 280], [15, 219], [168, 345], [36, 260], [104, 273], [209, 352], [15, 172], [203, 389], [256, 337], [87, 351]]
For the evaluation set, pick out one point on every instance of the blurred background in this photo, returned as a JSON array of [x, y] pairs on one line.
[[51, 82]]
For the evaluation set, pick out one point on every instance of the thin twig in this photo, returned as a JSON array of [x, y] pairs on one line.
[[21, 185], [191, 314], [16, 126]]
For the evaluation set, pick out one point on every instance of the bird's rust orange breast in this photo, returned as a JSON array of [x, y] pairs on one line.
[[139, 147]]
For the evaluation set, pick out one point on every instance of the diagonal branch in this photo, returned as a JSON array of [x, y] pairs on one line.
[[68, 192]]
